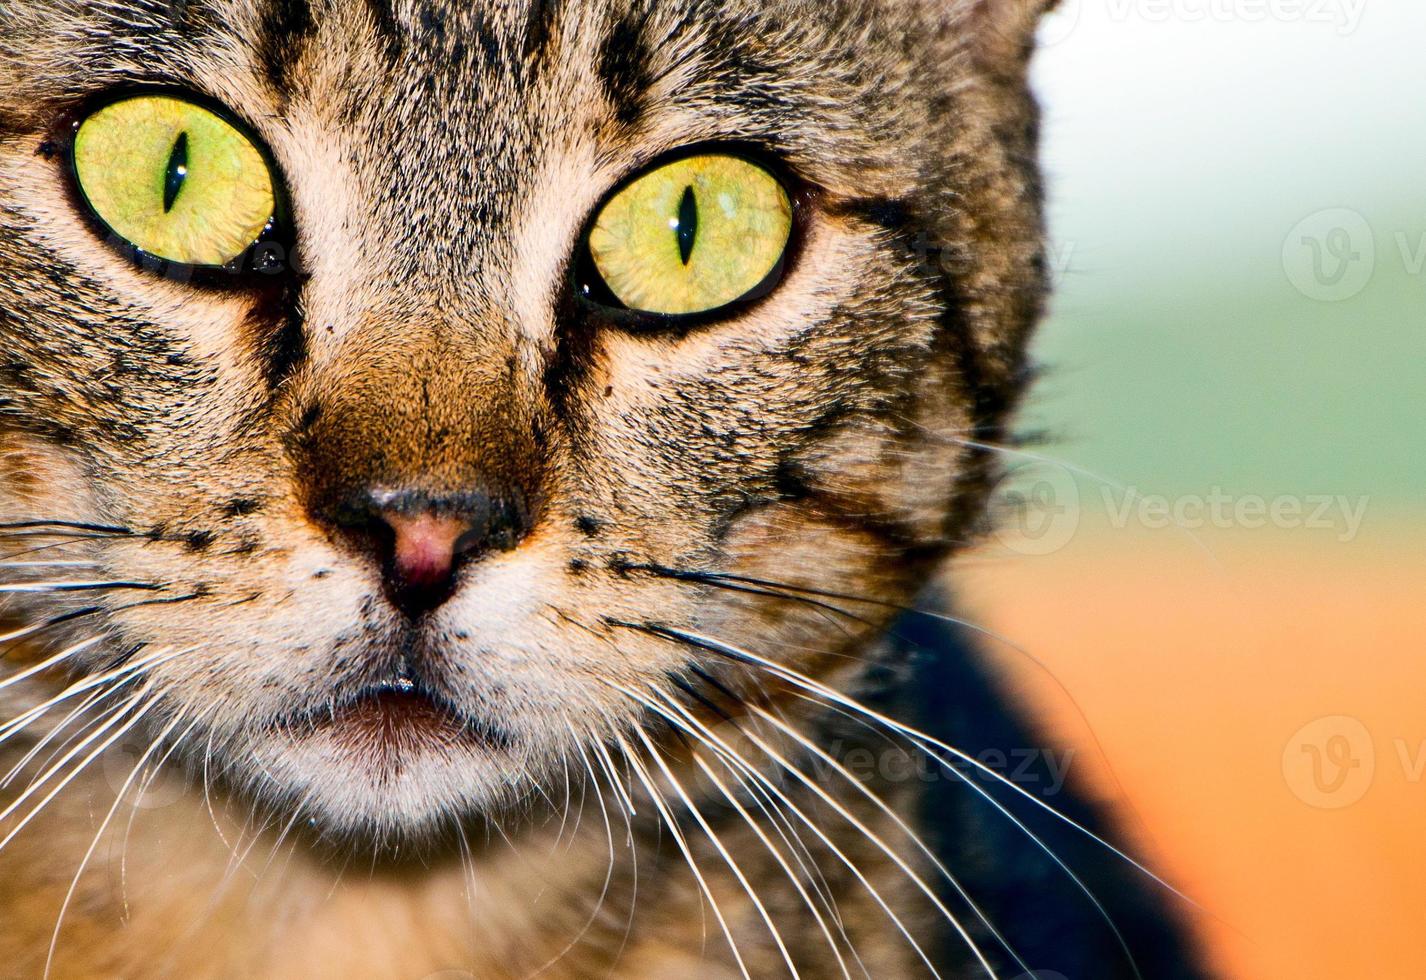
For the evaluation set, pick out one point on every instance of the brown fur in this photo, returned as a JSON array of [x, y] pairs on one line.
[[442, 159]]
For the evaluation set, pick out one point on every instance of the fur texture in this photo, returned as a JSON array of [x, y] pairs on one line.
[[205, 441]]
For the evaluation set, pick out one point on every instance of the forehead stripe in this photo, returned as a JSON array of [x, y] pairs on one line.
[[623, 67], [286, 27], [540, 25]]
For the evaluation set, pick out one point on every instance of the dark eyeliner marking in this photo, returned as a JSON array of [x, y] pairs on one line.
[[623, 66], [177, 172], [285, 29], [540, 26], [687, 224]]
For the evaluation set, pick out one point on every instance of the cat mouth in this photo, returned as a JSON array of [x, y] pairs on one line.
[[400, 714]]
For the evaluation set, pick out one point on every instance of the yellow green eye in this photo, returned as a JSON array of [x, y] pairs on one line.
[[174, 179], [692, 236]]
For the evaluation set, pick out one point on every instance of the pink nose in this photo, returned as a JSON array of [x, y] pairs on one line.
[[421, 541], [425, 551]]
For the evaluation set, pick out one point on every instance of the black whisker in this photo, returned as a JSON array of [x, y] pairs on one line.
[[758, 586], [703, 699], [72, 531], [165, 601], [28, 631], [102, 529], [52, 587]]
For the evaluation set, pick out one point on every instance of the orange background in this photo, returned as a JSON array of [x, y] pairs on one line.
[[1188, 677]]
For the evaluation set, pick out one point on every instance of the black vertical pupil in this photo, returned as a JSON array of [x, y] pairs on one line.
[[687, 224], [177, 172]]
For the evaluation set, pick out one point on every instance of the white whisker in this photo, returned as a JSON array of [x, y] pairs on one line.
[[777, 857], [677, 833], [901, 824], [727, 753], [722, 850], [926, 742], [625, 801], [47, 664], [609, 873], [129, 827], [74, 773], [135, 667], [99, 834], [89, 702], [1039, 842]]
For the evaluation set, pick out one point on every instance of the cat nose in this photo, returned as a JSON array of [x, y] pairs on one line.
[[420, 569], [422, 541]]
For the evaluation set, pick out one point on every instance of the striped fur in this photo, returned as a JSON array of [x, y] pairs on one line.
[[441, 159]]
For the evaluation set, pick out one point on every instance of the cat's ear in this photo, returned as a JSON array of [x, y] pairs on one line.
[[1001, 33]]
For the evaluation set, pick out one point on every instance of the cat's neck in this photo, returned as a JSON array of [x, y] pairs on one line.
[[176, 890], [187, 884]]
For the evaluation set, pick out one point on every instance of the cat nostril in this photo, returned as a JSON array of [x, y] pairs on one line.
[[424, 552], [420, 540]]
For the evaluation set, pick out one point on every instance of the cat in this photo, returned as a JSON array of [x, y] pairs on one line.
[[467, 469]]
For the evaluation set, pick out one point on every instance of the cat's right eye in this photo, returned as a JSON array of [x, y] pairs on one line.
[[174, 180]]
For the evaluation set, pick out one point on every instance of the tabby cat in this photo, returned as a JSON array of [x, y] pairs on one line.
[[465, 465]]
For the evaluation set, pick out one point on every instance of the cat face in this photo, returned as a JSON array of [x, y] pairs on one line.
[[422, 502]]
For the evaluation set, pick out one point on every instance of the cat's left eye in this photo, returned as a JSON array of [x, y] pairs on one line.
[[174, 180], [693, 236]]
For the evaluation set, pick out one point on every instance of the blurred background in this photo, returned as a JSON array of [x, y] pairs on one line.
[[1211, 574]]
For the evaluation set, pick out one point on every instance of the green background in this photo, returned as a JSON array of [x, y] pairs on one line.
[[1180, 155]]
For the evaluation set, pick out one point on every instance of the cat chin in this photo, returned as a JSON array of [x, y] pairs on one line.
[[363, 787]]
